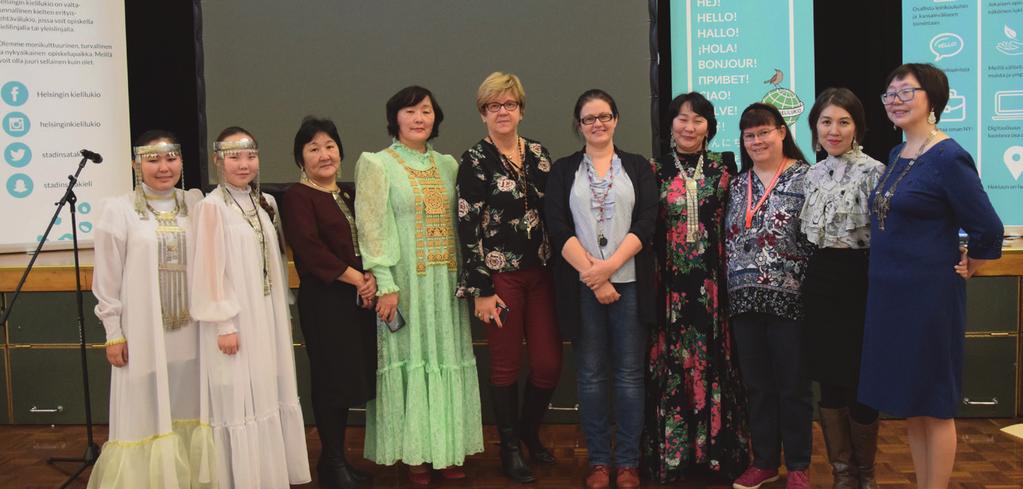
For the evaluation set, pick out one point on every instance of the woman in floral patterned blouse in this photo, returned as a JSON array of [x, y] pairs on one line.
[[697, 408], [766, 258], [505, 251]]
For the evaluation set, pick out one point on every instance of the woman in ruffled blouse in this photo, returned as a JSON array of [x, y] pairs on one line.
[[835, 217]]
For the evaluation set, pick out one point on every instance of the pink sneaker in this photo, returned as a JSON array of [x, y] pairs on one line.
[[797, 479], [754, 477]]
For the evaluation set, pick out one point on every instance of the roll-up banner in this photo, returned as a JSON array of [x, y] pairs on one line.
[[736, 52], [63, 88], [979, 45]]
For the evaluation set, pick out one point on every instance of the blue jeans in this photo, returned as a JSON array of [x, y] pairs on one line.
[[611, 340]]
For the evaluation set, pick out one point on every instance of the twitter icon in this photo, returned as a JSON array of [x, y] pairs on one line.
[[17, 154]]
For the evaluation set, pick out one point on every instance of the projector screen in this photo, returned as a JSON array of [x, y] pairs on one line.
[[269, 63]]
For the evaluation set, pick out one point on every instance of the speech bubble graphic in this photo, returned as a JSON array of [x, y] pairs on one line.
[[946, 45]]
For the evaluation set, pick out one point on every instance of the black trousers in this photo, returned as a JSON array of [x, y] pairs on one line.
[[771, 358]]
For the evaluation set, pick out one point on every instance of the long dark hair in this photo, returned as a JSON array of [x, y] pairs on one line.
[[231, 131], [761, 114]]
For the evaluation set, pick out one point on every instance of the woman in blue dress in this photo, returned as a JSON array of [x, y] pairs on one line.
[[913, 336]]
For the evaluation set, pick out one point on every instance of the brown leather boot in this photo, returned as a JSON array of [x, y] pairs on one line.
[[864, 447], [837, 437]]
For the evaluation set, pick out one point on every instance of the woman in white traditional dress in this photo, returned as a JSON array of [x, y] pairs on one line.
[[140, 281], [239, 296]]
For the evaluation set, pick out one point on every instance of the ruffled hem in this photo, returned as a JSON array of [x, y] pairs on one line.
[[425, 414], [182, 458], [252, 451]]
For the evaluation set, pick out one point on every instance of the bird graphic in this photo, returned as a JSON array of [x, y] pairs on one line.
[[776, 78]]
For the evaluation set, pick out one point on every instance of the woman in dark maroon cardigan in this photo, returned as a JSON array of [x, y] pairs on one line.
[[340, 336]]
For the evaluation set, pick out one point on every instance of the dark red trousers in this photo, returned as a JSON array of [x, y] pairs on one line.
[[529, 295]]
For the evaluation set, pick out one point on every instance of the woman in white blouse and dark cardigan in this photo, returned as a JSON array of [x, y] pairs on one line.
[[836, 219]]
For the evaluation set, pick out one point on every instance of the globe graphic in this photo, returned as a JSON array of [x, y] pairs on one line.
[[786, 102]]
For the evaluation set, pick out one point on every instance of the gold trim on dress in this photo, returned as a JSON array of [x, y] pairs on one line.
[[435, 243]]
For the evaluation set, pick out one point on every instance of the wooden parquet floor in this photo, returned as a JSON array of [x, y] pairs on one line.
[[986, 459]]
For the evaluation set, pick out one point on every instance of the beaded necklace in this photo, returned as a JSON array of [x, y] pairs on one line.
[[692, 196], [883, 200], [252, 218]]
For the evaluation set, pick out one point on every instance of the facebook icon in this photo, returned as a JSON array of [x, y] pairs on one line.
[[14, 93]]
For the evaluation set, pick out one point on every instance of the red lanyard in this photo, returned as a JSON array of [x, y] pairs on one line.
[[750, 209]]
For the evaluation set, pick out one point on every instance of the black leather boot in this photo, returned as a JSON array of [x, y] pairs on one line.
[[333, 468], [864, 447], [506, 410], [534, 406]]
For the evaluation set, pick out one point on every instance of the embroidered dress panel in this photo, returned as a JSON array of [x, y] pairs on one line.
[[435, 241], [171, 251]]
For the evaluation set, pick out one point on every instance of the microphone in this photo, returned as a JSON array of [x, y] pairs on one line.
[[94, 157]]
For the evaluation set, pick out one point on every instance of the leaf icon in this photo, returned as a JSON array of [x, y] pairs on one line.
[[1011, 34]]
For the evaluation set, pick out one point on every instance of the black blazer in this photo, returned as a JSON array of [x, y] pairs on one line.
[[561, 227]]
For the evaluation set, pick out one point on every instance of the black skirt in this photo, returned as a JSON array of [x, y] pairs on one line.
[[340, 339], [835, 299]]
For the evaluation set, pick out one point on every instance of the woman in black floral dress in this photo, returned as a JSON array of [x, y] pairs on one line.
[[506, 252], [697, 407]]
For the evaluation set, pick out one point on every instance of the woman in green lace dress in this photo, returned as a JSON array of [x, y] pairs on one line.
[[427, 409]]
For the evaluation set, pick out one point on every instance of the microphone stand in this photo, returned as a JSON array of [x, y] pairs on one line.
[[91, 449]]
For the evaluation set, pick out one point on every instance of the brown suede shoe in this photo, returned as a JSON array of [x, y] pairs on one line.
[[599, 478], [628, 478]]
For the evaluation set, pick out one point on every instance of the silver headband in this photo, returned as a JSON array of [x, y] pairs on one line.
[[152, 151], [230, 148]]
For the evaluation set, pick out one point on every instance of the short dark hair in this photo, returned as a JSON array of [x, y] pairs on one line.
[[311, 126], [408, 97], [842, 98], [700, 105], [592, 94], [761, 114], [932, 80], [155, 135]]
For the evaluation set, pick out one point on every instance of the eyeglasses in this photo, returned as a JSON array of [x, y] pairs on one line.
[[496, 106], [905, 95], [749, 137], [590, 119]]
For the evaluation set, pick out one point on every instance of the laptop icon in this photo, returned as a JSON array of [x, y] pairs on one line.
[[1008, 105]]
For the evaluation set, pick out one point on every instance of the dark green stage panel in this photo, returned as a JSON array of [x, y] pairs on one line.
[[989, 377], [4, 415], [51, 317], [991, 304], [47, 385]]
